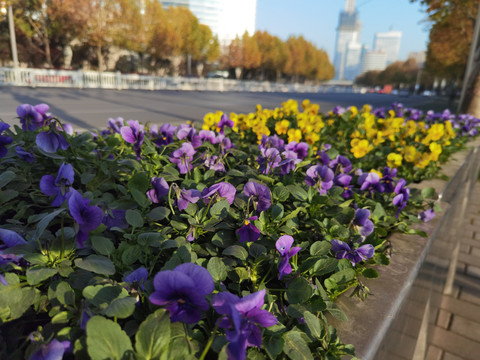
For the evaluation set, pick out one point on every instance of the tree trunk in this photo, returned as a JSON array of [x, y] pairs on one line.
[[100, 58], [48, 55], [472, 95]]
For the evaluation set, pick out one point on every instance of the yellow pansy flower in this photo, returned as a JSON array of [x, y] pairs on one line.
[[394, 160], [360, 148], [294, 135], [410, 154], [281, 127], [312, 138], [436, 150]]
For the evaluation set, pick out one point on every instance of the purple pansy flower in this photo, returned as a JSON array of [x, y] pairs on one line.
[[137, 276], [213, 162], [387, 179], [165, 136], [338, 110], [290, 161], [10, 239], [320, 177], [160, 189], [220, 190], [284, 247], [133, 134], [50, 141], [403, 194], [362, 221], [242, 319], [22, 154], [182, 291], [344, 251], [269, 159], [426, 215], [86, 216], [224, 121], [58, 186], [207, 135], [259, 194], [344, 181], [268, 142], [249, 232], [4, 140], [33, 117], [185, 197], [115, 218], [52, 351], [341, 165], [188, 132], [300, 148], [183, 157], [114, 125], [224, 143], [370, 181]]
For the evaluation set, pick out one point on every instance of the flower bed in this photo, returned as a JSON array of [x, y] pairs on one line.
[[230, 241]]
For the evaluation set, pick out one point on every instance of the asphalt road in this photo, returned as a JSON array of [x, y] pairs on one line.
[[88, 109]]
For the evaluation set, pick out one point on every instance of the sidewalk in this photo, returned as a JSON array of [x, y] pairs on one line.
[[455, 334]]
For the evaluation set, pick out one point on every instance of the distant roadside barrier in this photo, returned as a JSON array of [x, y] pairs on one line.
[[118, 81]]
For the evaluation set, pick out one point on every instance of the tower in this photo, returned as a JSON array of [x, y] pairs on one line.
[[347, 60]]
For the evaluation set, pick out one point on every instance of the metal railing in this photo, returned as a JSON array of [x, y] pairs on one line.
[[116, 80]]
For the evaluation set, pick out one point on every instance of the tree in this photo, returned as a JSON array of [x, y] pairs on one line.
[[102, 26], [450, 38]]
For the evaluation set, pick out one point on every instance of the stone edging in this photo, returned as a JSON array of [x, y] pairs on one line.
[[370, 326]]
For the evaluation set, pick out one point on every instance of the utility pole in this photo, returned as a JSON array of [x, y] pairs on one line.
[[468, 99], [13, 40]]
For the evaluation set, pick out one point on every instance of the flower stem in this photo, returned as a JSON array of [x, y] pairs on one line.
[[209, 343]]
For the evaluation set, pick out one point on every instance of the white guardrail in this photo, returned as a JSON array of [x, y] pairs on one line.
[[118, 81]]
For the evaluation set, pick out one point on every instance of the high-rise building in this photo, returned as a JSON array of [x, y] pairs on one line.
[[348, 50], [374, 60], [226, 18], [388, 42]]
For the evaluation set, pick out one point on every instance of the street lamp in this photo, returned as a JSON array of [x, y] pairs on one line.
[[7, 8]]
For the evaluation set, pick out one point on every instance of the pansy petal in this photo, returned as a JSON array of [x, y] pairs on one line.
[[11, 238], [47, 185], [251, 301], [200, 276], [283, 244]]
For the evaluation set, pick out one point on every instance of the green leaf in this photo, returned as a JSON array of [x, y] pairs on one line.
[[280, 192], [299, 291], [224, 238], [219, 207], [159, 213], [297, 192], [313, 324], [308, 263], [217, 269], [153, 335], [140, 198], [140, 182], [428, 193], [7, 195], [381, 259], [266, 178], [102, 245], [97, 264], [42, 224], [236, 251], [320, 248], [103, 295], [178, 225], [325, 266], [295, 346], [277, 211], [121, 308], [36, 274], [131, 254], [134, 218], [370, 273], [107, 340], [257, 250], [379, 212], [335, 311], [6, 177], [343, 276], [274, 346]]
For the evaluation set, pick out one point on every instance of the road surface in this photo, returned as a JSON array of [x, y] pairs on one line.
[[88, 109]]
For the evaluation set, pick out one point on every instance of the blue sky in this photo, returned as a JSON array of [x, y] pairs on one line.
[[317, 21]]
